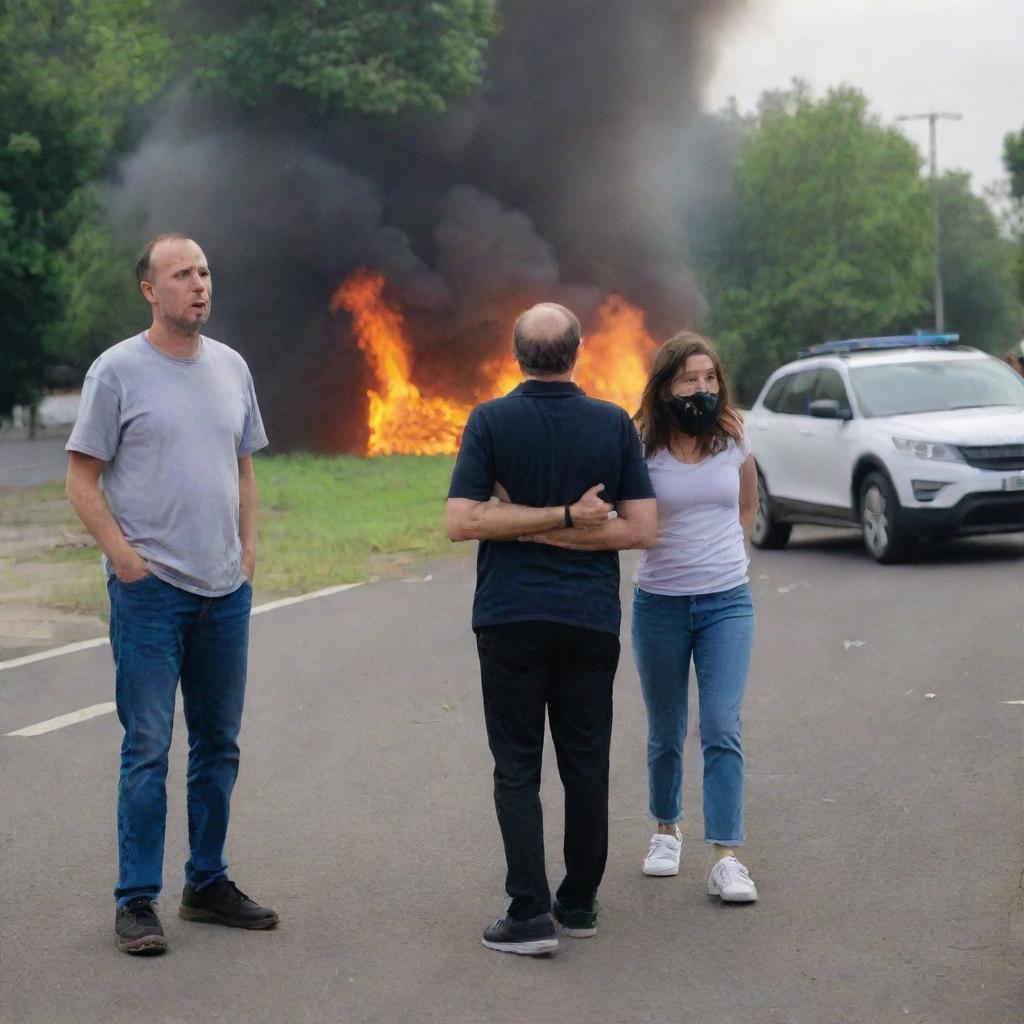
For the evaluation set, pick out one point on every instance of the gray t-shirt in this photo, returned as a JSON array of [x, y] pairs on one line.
[[172, 431], [700, 547]]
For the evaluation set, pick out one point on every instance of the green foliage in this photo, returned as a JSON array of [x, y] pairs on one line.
[[356, 54], [70, 70], [102, 303], [832, 234], [977, 269], [1013, 158]]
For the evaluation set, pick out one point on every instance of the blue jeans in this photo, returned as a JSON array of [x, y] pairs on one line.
[[717, 630], [160, 634]]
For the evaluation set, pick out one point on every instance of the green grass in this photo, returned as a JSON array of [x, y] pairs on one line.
[[323, 520], [73, 554], [344, 518]]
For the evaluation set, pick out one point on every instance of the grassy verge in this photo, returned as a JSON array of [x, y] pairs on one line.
[[322, 521], [343, 519]]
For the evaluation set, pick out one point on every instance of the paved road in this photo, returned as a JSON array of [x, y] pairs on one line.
[[39, 461], [885, 825]]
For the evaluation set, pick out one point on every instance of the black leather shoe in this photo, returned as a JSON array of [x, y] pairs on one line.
[[138, 928], [533, 937], [222, 902]]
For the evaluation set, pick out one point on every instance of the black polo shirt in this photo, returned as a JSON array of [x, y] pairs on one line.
[[547, 443]]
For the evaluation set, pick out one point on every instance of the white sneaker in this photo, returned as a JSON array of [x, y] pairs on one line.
[[731, 880], [663, 856]]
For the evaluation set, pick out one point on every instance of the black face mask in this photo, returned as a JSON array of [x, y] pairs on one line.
[[695, 414]]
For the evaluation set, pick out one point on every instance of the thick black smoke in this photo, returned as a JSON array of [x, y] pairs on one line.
[[565, 176]]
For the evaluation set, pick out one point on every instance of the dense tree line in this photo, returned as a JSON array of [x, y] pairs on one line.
[[819, 227], [72, 72]]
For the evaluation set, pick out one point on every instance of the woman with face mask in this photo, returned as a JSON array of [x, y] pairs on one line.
[[692, 601]]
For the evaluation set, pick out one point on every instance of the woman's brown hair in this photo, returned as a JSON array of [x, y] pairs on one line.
[[653, 419]]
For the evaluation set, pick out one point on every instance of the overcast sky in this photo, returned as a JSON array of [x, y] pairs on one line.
[[907, 56]]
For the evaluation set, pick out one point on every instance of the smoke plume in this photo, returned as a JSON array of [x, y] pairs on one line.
[[564, 177]]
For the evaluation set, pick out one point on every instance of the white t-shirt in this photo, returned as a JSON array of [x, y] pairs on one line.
[[700, 547]]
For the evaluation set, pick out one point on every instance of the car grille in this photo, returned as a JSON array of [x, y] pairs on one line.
[[994, 456], [998, 510]]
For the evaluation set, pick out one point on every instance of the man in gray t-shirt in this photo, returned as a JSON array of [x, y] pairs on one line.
[[160, 472]]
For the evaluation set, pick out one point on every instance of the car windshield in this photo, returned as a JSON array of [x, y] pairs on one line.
[[898, 389]]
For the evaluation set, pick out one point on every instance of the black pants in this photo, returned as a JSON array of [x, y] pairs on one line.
[[526, 667]]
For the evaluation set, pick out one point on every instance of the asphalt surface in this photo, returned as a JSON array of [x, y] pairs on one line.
[[884, 823], [38, 461]]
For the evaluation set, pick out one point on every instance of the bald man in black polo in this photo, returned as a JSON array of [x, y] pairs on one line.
[[548, 463]]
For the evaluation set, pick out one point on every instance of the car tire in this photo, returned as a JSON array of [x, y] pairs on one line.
[[879, 507], [766, 533]]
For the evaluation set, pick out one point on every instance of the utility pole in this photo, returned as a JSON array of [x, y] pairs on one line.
[[932, 118]]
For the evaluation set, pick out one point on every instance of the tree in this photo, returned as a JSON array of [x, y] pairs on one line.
[[345, 54], [832, 234], [352, 54], [1013, 160], [977, 268], [70, 71], [101, 297]]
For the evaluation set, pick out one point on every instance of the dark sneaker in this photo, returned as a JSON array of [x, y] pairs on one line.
[[138, 928], [222, 902], [577, 922], [533, 937]]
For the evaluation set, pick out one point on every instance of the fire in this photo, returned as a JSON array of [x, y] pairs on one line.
[[401, 420], [612, 365]]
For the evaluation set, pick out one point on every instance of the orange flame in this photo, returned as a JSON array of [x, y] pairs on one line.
[[615, 357], [612, 365], [401, 420], [613, 361]]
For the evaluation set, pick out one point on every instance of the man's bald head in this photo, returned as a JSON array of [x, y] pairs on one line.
[[546, 340]]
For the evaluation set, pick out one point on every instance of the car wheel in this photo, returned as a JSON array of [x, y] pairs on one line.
[[879, 508], [766, 533]]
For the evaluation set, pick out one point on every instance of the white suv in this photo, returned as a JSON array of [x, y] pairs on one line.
[[911, 438]]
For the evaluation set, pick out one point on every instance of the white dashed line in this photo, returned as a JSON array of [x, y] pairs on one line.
[[104, 709], [285, 601], [61, 721], [84, 645]]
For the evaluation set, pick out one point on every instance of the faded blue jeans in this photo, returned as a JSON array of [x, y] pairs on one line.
[[717, 631], [160, 634]]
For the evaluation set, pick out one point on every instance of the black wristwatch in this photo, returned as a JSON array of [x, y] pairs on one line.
[[568, 518]]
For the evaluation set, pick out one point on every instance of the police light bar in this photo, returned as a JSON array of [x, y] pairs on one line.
[[893, 341]]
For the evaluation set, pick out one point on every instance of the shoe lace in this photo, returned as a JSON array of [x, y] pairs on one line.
[[234, 892], [142, 910]]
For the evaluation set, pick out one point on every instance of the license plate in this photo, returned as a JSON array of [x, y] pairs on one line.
[[1014, 483]]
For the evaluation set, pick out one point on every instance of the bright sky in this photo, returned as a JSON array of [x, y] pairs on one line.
[[907, 56]]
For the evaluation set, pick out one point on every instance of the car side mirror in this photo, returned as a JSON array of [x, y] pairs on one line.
[[829, 409]]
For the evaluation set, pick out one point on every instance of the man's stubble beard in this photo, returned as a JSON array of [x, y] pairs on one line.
[[188, 326]]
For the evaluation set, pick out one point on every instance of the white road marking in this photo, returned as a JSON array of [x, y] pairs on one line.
[[61, 721], [104, 709], [84, 645], [1013, 701], [285, 601]]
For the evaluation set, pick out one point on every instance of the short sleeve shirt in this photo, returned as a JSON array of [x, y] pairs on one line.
[[171, 432], [700, 547], [547, 443]]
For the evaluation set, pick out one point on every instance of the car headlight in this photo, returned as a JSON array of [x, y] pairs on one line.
[[928, 450]]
